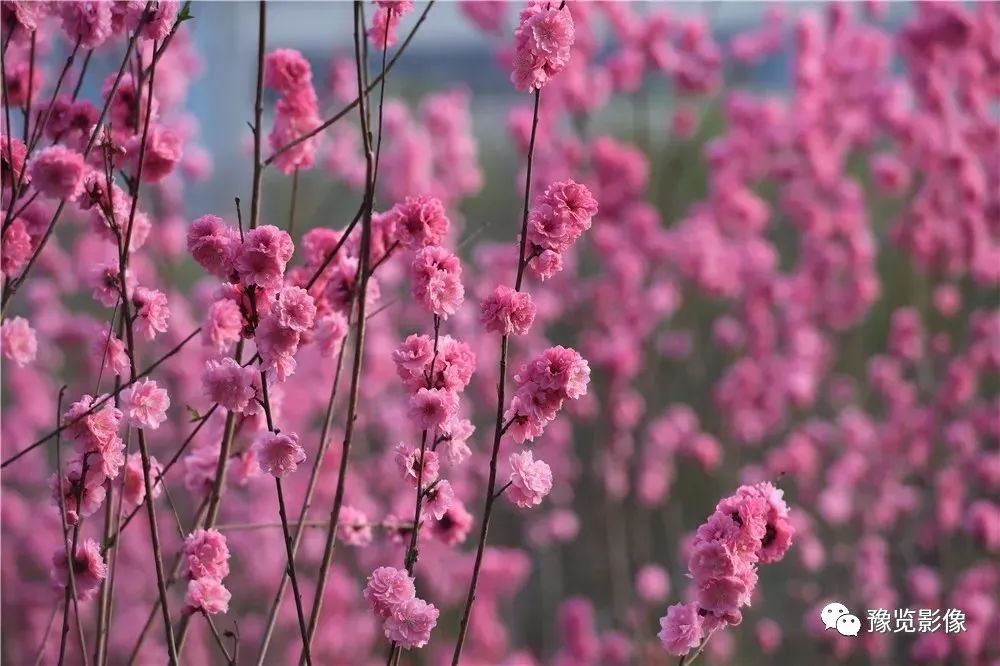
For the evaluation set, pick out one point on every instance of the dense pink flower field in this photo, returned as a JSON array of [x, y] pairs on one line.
[[666, 410]]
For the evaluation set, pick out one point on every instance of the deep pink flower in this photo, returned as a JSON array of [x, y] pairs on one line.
[[213, 244], [163, 151], [286, 70], [57, 172], [89, 569], [507, 311], [263, 255], [387, 589], [531, 480], [89, 22], [17, 248], [207, 595], [331, 331], [411, 623], [18, 341], [277, 346], [680, 629], [420, 221], [206, 554], [145, 404], [279, 453]]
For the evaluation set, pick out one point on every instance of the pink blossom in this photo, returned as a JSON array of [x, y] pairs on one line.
[[13, 153], [411, 623], [652, 584], [294, 309], [213, 244], [230, 385], [89, 569], [453, 526], [331, 331], [206, 554], [163, 151], [263, 255], [207, 595], [134, 488], [17, 248], [542, 42], [560, 215], [18, 341], [223, 324], [440, 497], [409, 461], [78, 502], [96, 430], [354, 527], [419, 221], [277, 346], [507, 311], [387, 589], [680, 629], [437, 280], [57, 172], [279, 454], [531, 480], [286, 70], [431, 409], [145, 404], [152, 312], [88, 22]]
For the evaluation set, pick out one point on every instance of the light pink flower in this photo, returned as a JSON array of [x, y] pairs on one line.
[[409, 462], [330, 333], [294, 309], [207, 595], [437, 280], [152, 312], [530, 480], [135, 485], [18, 341], [354, 527], [223, 324], [232, 386], [213, 244], [411, 623], [206, 554], [387, 589], [89, 569], [680, 629], [279, 453], [439, 499], [145, 404]]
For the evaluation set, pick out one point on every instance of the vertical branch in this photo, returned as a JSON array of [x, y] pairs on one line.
[[130, 349], [362, 298], [498, 430], [258, 113]]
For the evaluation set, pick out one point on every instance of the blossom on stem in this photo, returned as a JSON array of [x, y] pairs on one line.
[[530, 479], [145, 404]]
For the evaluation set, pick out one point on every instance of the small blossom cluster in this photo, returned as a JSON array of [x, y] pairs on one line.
[[406, 619], [750, 527], [296, 112], [560, 215], [386, 21], [206, 564], [543, 385], [542, 42]]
